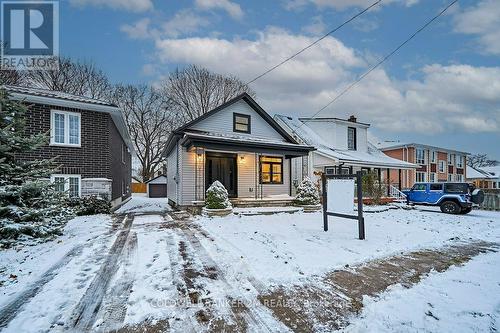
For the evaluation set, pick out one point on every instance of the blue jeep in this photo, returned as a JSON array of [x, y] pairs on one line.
[[452, 198]]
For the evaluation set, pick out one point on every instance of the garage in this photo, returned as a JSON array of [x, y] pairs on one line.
[[157, 187]]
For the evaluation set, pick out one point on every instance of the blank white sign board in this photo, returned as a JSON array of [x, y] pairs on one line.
[[340, 196]]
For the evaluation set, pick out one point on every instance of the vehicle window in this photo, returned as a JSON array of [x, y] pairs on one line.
[[436, 187], [419, 187], [456, 188]]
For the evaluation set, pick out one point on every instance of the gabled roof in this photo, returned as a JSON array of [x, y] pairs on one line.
[[492, 172], [373, 157], [62, 99], [177, 133]]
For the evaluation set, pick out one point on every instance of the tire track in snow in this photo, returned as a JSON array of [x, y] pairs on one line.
[[85, 313], [10, 311]]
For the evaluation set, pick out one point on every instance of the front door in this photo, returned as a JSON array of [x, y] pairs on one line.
[[222, 167]]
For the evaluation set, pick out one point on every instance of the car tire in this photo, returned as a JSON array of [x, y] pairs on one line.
[[466, 210], [450, 207]]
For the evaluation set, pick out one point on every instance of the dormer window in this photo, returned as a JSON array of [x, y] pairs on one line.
[[351, 138], [241, 123]]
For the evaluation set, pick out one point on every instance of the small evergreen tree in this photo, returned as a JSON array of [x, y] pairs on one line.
[[307, 193], [217, 196], [29, 205]]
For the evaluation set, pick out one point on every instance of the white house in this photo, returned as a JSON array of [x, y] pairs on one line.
[[342, 147], [238, 144]]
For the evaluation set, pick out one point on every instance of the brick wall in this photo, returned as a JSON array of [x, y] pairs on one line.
[[99, 155]]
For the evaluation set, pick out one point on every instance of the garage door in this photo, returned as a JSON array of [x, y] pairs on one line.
[[157, 190]]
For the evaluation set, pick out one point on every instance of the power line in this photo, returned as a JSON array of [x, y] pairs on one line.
[[315, 42], [349, 87]]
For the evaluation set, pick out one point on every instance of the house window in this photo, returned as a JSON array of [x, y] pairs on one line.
[[65, 128], [70, 184], [432, 177], [451, 158], [460, 160], [459, 178], [450, 178], [241, 123], [441, 166], [351, 138], [330, 170], [433, 156], [271, 170], [420, 156], [420, 177]]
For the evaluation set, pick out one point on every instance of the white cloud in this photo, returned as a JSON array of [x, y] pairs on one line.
[[138, 30], [233, 9], [343, 4], [316, 27], [483, 21], [129, 5], [184, 22], [445, 99]]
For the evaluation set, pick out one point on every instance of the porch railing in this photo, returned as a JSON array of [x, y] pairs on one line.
[[394, 192]]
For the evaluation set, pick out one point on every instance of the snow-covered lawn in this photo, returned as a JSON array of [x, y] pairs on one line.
[[463, 299], [139, 203], [159, 263], [290, 247]]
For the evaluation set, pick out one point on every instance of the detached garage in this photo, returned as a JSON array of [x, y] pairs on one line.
[[157, 187]]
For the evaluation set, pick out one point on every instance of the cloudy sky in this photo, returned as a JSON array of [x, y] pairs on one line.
[[443, 88]]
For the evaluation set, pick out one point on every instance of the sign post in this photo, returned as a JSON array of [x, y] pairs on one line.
[[342, 197]]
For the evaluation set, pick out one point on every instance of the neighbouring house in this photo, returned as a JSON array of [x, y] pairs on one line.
[[435, 164], [484, 177], [88, 139], [342, 147], [157, 187], [238, 144]]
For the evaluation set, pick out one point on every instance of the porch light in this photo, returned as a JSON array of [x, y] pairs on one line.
[[242, 159], [199, 152]]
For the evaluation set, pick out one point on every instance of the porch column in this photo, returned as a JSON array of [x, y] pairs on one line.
[[399, 181], [388, 182]]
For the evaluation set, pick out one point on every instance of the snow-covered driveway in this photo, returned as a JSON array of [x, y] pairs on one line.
[[152, 269]]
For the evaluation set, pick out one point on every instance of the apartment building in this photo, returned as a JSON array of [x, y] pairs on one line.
[[435, 164]]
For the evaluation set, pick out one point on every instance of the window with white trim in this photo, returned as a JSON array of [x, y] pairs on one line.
[[432, 177], [65, 128], [420, 156], [433, 156], [451, 159], [70, 184], [459, 178], [450, 178], [441, 166], [420, 177], [351, 138], [460, 161]]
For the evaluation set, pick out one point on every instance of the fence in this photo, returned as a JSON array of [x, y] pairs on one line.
[[491, 200], [139, 188]]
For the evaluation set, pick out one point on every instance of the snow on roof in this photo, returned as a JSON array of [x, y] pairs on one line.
[[55, 94], [473, 173], [398, 144], [372, 157], [493, 171]]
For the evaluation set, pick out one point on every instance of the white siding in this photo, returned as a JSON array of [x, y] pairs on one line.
[[188, 176], [222, 122], [279, 189], [247, 178], [172, 176], [334, 132]]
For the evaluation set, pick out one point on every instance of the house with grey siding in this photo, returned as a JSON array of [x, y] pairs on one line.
[[88, 140], [238, 144]]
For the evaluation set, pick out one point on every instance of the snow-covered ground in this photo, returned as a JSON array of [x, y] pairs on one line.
[[159, 263], [463, 299], [139, 203], [290, 247]]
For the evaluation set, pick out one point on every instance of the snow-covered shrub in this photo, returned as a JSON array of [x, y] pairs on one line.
[[90, 205], [217, 197], [307, 193]]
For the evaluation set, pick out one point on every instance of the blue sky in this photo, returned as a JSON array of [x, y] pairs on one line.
[[441, 89]]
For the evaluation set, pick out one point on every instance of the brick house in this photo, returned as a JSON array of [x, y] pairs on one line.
[[88, 139], [435, 164]]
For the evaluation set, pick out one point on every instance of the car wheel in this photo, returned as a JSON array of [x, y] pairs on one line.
[[466, 210], [450, 207]]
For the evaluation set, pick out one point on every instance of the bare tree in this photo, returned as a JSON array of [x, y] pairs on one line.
[[195, 91], [73, 77], [481, 160], [10, 76], [148, 117]]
